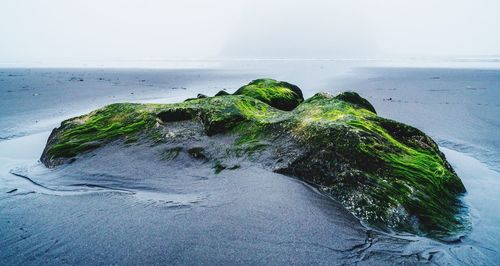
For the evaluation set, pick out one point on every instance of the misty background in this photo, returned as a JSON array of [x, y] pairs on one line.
[[59, 32]]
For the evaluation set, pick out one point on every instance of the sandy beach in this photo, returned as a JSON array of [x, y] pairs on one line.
[[247, 216]]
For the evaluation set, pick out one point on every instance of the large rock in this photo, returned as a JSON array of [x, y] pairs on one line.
[[388, 174]]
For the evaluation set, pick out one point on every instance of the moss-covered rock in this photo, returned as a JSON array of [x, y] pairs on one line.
[[354, 98], [222, 93], [278, 94], [388, 174], [95, 129]]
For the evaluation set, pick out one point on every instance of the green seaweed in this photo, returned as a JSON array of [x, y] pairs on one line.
[[218, 167], [404, 164], [170, 154], [279, 94], [97, 128], [354, 98]]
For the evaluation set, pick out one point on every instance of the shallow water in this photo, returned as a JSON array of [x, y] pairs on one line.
[[245, 216]]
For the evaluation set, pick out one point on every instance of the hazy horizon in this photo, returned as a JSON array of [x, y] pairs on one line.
[[57, 32]]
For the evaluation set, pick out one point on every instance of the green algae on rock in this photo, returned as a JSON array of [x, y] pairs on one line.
[[279, 94], [390, 175], [354, 98], [90, 131]]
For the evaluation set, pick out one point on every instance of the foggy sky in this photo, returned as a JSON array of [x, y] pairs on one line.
[[76, 31]]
